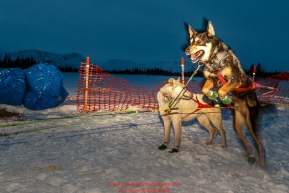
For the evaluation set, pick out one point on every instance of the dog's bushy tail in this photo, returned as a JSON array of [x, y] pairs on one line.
[[254, 106], [246, 102]]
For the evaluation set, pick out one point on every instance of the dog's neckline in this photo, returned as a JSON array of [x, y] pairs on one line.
[[213, 55], [210, 59]]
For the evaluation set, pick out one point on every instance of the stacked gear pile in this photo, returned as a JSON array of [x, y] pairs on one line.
[[12, 86], [38, 87], [45, 88]]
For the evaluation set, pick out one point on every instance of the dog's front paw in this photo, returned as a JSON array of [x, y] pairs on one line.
[[162, 147], [224, 145], [226, 100], [209, 143], [251, 159], [212, 95], [174, 150]]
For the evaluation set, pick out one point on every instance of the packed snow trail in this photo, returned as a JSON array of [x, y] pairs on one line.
[[82, 120], [109, 156]]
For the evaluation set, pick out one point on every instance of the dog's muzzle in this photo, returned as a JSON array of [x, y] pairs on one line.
[[188, 51]]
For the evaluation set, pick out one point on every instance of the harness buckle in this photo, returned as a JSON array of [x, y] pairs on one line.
[[166, 99]]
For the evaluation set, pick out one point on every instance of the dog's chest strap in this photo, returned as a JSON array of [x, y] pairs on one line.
[[221, 78], [201, 105]]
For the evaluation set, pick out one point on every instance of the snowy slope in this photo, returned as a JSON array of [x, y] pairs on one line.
[[118, 153]]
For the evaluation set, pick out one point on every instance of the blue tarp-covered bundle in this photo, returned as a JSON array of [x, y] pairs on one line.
[[12, 86], [36, 101], [45, 87]]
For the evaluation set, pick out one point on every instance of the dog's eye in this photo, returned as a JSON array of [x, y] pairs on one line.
[[199, 42]]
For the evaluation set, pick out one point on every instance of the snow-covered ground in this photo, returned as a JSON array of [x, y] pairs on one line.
[[109, 152]]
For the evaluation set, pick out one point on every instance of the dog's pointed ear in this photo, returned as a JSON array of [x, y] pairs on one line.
[[210, 29], [171, 81], [178, 79], [192, 32]]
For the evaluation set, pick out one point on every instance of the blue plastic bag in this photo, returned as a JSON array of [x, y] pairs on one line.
[[12, 86], [36, 101], [46, 80]]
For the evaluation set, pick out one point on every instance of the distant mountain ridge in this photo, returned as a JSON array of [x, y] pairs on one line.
[[73, 60]]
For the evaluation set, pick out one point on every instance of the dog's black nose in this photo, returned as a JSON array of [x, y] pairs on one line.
[[187, 51]]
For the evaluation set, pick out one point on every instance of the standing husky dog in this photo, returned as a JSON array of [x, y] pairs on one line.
[[223, 70], [186, 106]]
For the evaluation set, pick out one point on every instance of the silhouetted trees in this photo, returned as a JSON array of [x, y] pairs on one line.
[[19, 62], [67, 69], [26, 62], [260, 71], [151, 71]]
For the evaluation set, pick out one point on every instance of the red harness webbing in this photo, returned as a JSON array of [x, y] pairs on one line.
[[222, 79], [200, 105]]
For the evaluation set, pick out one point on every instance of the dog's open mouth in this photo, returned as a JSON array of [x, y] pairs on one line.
[[196, 56]]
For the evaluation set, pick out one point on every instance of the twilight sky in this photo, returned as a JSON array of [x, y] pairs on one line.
[[146, 30]]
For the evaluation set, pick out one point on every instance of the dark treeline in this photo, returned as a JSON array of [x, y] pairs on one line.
[[26, 62], [20, 62], [260, 72], [67, 69], [150, 71]]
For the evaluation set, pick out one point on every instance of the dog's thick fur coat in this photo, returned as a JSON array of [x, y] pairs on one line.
[[184, 109], [218, 58]]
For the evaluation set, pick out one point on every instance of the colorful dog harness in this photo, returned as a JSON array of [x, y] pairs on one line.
[[222, 79], [200, 105]]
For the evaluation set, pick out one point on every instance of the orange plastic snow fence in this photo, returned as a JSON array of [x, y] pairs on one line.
[[101, 91]]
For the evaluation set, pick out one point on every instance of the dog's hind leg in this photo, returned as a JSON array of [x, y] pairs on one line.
[[167, 130], [239, 121], [205, 122], [216, 119], [259, 143], [251, 119]]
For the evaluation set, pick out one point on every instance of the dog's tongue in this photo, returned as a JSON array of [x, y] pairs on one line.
[[196, 55], [193, 56]]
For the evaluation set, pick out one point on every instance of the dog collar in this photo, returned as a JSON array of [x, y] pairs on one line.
[[167, 98], [210, 59]]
